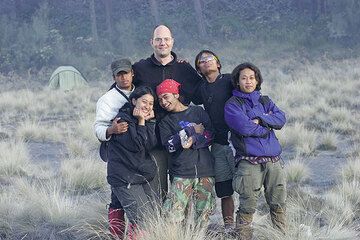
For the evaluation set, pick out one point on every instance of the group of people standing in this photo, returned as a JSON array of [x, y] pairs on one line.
[[151, 134]]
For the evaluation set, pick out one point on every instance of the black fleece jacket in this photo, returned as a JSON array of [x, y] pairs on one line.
[[150, 72], [196, 161], [214, 96], [129, 161]]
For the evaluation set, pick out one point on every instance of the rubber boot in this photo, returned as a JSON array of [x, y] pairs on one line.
[[134, 233], [243, 226], [278, 218], [116, 222]]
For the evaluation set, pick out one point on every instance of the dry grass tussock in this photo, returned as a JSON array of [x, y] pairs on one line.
[[84, 131], [81, 141], [351, 171], [14, 159], [77, 148], [328, 141], [339, 205], [35, 209], [70, 202], [83, 175], [315, 101], [41, 209], [297, 171], [334, 215], [307, 219], [48, 200], [343, 201], [297, 137], [30, 130], [47, 105], [15, 162]]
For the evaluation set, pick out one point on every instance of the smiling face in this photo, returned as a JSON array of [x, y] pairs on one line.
[[169, 101], [144, 103], [247, 80], [162, 42]]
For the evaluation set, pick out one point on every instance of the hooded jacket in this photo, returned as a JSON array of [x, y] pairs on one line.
[[214, 96], [128, 158], [150, 72], [248, 138]]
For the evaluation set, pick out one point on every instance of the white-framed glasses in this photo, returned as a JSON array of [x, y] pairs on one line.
[[206, 59]]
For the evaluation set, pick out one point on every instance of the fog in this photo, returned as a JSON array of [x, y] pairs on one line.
[[41, 34]]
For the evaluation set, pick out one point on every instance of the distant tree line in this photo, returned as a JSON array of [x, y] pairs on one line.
[[38, 33]]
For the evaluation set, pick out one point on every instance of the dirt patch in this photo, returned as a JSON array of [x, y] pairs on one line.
[[47, 152]]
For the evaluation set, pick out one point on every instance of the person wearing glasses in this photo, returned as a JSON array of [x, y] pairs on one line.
[[214, 91], [164, 64]]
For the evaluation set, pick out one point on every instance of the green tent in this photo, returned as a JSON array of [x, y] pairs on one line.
[[66, 78]]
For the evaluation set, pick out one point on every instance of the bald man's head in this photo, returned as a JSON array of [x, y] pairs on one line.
[[162, 28], [162, 42]]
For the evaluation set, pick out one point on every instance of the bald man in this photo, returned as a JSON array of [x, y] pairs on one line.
[[163, 64]]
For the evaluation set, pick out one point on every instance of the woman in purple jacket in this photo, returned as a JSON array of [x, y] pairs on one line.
[[252, 119]]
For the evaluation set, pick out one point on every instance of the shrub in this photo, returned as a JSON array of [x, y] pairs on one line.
[[14, 159], [83, 175], [297, 171]]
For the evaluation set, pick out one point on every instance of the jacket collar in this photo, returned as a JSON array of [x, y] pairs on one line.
[[156, 62], [253, 97], [220, 76], [126, 112]]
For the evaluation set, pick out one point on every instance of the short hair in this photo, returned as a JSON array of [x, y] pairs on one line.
[[236, 73], [159, 26], [197, 58], [141, 91]]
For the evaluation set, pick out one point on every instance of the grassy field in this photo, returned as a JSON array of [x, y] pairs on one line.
[[43, 200]]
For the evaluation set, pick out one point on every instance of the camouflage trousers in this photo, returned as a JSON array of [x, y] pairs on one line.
[[185, 190]]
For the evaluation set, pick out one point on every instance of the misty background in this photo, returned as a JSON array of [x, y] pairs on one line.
[[39, 35]]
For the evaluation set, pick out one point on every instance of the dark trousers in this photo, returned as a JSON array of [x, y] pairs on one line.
[[138, 201], [115, 203]]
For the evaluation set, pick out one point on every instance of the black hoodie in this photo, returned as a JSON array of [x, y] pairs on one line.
[[129, 161], [150, 72]]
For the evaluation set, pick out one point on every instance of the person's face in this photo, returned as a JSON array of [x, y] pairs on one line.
[[144, 103], [162, 42], [247, 81], [169, 101], [207, 64], [124, 80]]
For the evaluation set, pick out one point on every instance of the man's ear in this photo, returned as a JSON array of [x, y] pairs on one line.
[[133, 101], [176, 95]]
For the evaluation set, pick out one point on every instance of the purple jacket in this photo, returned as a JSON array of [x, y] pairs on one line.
[[248, 138]]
